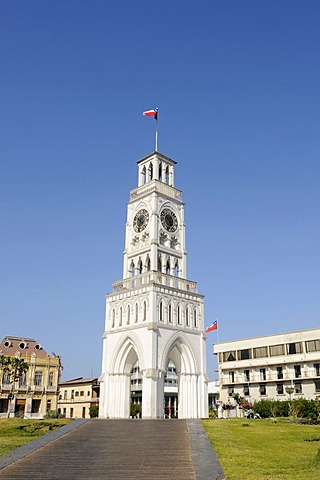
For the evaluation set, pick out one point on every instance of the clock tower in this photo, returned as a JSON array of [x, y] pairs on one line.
[[154, 315]]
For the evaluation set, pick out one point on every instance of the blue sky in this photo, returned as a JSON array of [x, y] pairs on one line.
[[237, 86]]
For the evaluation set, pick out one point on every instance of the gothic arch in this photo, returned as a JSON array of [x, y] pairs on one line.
[[179, 351], [126, 355]]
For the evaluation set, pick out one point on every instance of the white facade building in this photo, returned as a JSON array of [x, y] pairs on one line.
[[278, 367], [154, 315]]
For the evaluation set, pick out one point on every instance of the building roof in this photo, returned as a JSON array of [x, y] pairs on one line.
[[78, 380], [24, 346]]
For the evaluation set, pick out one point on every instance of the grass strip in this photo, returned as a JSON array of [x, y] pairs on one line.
[[265, 449]]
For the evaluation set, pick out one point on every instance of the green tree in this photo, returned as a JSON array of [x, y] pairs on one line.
[[13, 366]]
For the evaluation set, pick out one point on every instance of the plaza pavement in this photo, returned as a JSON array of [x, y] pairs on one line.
[[116, 450]]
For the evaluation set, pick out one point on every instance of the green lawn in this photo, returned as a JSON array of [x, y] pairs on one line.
[[15, 432], [266, 449]]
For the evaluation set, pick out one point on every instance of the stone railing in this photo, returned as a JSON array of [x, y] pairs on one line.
[[156, 186], [156, 278]]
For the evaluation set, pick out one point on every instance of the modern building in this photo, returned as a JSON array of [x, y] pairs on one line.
[[36, 391], [76, 396], [154, 315], [280, 367]]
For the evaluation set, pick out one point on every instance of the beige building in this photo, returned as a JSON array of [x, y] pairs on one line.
[[76, 396], [36, 392], [276, 367]]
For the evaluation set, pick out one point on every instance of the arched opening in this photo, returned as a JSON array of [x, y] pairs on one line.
[[120, 317], [144, 317], [113, 316], [195, 318], [170, 313], [132, 269], [187, 317], [128, 315], [140, 266], [160, 171], [136, 313], [171, 391], [168, 268], [148, 264], [167, 175], [161, 318], [159, 264], [179, 315], [150, 171], [136, 390], [144, 175]]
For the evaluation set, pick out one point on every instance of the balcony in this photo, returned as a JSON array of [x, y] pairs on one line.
[[154, 278], [155, 186]]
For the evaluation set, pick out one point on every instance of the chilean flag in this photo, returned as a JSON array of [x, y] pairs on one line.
[[151, 113], [212, 327]]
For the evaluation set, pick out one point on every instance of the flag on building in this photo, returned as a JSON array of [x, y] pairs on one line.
[[212, 327], [151, 113]]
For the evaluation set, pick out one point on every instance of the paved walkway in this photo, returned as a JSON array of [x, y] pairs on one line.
[[118, 450]]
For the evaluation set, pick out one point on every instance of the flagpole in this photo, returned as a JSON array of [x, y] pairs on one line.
[[218, 339], [157, 129]]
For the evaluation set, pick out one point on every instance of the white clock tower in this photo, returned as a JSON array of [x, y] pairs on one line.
[[154, 314]]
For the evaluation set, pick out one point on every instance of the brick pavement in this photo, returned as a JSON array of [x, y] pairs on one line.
[[121, 449]]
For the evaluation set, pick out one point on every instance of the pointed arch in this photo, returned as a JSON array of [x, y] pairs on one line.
[[195, 317], [187, 317], [167, 175], [128, 314], [144, 175], [176, 269], [168, 267], [159, 264], [132, 269], [150, 171], [139, 266], [148, 264], [144, 314], [161, 311], [179, 319], [120, 317], [113, 318], [170, 316], [180, 352], [160, 171], [127, 354], [136, 313]]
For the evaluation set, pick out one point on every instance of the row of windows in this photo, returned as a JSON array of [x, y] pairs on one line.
[[170, 314], [37, 381], [278, 373], [73, 394], [162, 175], [271, 351], [170, 267], [281, 389]]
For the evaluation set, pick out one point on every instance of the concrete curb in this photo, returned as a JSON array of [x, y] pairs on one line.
[[205, 460], [39, 442]]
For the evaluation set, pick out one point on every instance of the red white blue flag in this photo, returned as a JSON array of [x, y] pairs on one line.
[[212, 327], [151, 113]]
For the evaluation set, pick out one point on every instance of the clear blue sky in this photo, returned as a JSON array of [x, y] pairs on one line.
[[237, 86]]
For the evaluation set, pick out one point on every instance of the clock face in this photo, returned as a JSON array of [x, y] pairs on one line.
[[169, 220], [140, 220]]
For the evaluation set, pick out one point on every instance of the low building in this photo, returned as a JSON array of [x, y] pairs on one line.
[[36, 391], [76, 396], [279, 367]]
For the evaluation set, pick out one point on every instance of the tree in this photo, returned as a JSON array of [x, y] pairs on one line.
[[13, 366]]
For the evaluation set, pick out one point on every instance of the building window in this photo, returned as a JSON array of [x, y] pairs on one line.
[[231, 377], [179, 315], [313, 346], [161, 311], [48, 405], [77, 394], [262, 389], [297, 371], [246, 390], [71, 412], [38, 378], [244, 354], [144, 311], [170, 313], [83, 412], [263, 376], [120, 317], [293, 348], [72, 394], [128, 315], [65, 394], [260, 352], [246, 374], [297, 387], [23, 380], [279, 373], [280, 390], [113, 318], [317, 369], [6, 379], [187, 317], [136, 314], [50, 379], [64, 412], [82, 393], [195, 318], [230, 391], [276, 350], [317, 385], [229, 356]]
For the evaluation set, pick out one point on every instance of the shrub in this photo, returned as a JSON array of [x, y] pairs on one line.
[[94, 412]]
